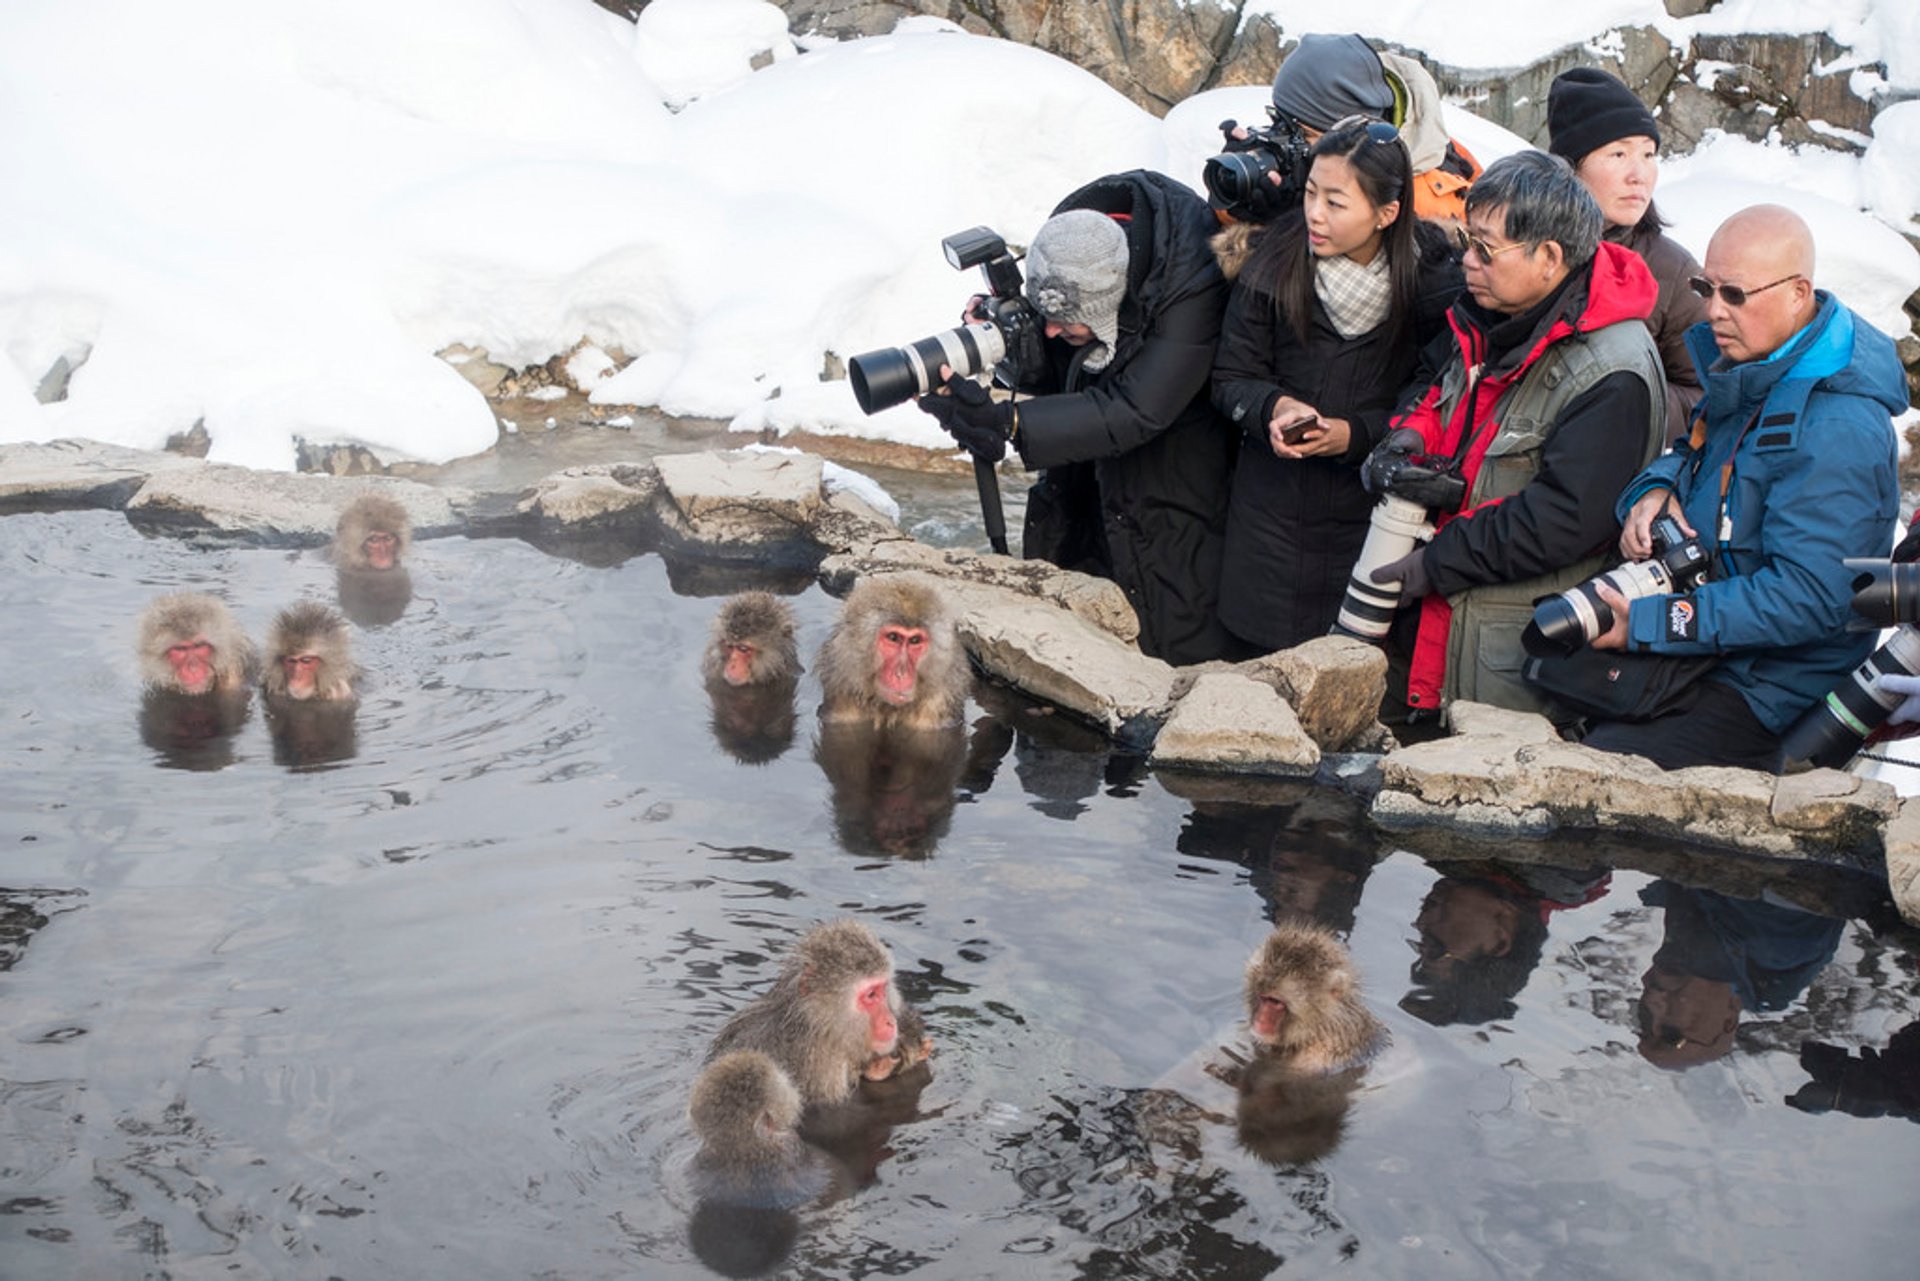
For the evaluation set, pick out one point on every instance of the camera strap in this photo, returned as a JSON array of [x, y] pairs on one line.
[[1697, 440]]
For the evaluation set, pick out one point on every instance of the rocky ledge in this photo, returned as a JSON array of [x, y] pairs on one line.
[[1067, 639]]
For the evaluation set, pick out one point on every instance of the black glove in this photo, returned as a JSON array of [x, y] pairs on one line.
[[1410, 571], [966, 412], [1908, 548], [1388, 457]]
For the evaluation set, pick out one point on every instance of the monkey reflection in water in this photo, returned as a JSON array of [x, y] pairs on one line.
[[198, 669], [309, 686], [799, 1093], [1313, 1041], [894, 681], [752, 667], [370, 547]]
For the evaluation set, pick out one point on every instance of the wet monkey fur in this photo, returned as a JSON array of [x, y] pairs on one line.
[[309, 655], [752, 642], [1303, 1002], [374, 534], [894, 658], [830, 1016], [189, 644]]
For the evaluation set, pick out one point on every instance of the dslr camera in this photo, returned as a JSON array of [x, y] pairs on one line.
[[1565, 622], [1008, 336], [1412, 486], [1240, 179], [1885, 594]]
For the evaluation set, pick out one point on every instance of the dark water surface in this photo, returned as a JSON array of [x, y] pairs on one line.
[[432, 1009]]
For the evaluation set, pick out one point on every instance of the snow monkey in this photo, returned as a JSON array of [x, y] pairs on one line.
[[373, 534], [894, 658], [308, 655], [752, 642], [746, 1114], [1303, 1001], [829, 1016], [189, 644]]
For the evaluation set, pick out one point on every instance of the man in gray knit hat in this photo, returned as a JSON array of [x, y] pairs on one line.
[[1119, 416]]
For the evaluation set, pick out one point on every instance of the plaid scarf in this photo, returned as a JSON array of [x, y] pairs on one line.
[[1356, 297]]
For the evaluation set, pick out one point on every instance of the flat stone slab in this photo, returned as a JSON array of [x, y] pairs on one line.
[[224, 502], [1471, 779], [67, 475], [597, 496], [1234, 724], [738, 500], [1061, 658]]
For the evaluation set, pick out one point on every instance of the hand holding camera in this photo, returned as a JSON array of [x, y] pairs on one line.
[[967, 412], [1636, 535]]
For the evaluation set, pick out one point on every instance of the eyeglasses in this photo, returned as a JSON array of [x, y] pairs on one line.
[[1733, 295], [1466, 242], [1376, 130]]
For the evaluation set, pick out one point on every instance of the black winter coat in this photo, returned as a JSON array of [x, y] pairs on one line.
[[1295, 526], [1150, 511]]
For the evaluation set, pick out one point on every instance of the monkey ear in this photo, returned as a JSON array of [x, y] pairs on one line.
[[1340, 982], [805, 982]]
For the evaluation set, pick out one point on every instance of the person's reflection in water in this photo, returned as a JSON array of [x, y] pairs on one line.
[[1482, 928], [1717, 957], [309, 734], [193, 731], [1876, 1083], [1308, 858], [893, 791], [753, 724]]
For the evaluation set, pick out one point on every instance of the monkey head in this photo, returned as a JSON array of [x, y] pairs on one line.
[[1303, 999], [753, 642], [373, 533], [190, 644], [309, 654], [894, 657]]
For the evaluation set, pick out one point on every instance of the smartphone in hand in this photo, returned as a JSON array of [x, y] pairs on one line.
[[1293, 433]]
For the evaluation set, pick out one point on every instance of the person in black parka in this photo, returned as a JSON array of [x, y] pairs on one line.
[[1329, 312], [1136, 461]]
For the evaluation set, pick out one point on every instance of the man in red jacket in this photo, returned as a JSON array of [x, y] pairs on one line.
[[1551, 400]]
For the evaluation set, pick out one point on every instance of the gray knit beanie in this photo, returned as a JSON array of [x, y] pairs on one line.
[[1077, 272], [1331, 77]]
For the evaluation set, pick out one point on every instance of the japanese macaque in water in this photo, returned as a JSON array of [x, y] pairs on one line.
[[894, 659], [831, 1013], [912, 1048], [752, 669], [373, 534], [746, 1114], [189, 644], [309, 655], [752, 642], [1303, 1002], [370, 546]]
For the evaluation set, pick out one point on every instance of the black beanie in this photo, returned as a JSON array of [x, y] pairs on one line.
[[1587, 109]]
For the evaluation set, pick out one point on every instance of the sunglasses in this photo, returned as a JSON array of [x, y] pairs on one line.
[[1466, 242], [1732, 295]]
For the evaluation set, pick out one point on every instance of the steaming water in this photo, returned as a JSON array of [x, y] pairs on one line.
[[431, 1009]]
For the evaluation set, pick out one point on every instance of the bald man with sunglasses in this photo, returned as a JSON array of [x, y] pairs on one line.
[[1788, 469]]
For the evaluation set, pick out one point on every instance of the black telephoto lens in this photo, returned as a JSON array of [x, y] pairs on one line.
[[1885, 593]]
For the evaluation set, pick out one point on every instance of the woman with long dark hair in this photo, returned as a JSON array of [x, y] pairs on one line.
[[1321, 342]]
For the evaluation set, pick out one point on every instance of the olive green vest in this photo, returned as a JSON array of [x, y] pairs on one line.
[[1483, 643]]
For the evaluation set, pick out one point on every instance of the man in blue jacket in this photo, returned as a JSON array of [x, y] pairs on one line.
[[1788, 470]]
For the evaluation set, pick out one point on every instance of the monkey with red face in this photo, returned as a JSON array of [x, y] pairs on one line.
[[830, 1015], [752, 642], [373, 534], [1303, 1002], [309, 655], [894, 658], [189, 644]]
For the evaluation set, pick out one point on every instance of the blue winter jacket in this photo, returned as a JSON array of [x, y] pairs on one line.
[[1812, 444]]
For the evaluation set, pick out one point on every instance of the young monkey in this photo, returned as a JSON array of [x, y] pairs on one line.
[[310, 655], [1303, 1002]]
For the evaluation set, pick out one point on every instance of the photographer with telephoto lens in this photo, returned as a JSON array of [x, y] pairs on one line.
[[1551, 398], [1116, 408], [1322, 81], [1788, 471]]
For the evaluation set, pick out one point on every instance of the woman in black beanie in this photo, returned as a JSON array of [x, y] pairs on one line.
[[1609, 137]]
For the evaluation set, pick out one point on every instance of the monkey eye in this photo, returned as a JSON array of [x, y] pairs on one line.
[[198, 649], [303, 660]]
